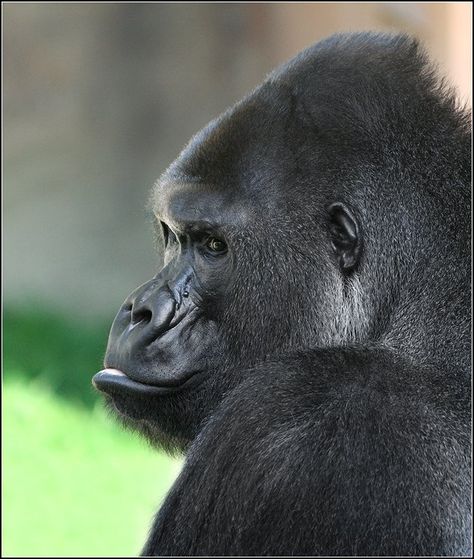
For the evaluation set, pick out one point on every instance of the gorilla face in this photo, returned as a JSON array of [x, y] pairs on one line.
[[235, 287], [165, 339], [166, 332]]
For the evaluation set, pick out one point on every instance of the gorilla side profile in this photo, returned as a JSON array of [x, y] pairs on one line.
[[307, 340]]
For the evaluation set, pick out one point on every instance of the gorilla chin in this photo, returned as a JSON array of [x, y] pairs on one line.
[[306, 339], [146, 409]]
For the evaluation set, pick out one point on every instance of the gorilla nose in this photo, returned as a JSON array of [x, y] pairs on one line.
[[141, 313], [154, 308], [144, 317]]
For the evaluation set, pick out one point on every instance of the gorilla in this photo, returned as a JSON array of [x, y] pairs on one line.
[[306, 342]]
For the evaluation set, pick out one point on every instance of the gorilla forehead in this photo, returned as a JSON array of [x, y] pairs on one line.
[[228, 168], [337, 107], [242, 149]]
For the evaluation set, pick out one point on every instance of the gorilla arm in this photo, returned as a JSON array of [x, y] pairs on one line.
[[327, 452]]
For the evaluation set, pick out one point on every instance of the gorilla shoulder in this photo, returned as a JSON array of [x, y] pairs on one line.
[[331, 450]]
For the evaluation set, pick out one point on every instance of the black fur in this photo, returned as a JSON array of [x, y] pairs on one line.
[[330, 414]]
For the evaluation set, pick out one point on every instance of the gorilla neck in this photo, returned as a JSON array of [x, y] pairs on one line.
[[348, 318], [434, 331], [403, 316]]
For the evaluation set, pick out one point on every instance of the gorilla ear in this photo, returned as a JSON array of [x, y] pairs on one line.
[[345, 236]]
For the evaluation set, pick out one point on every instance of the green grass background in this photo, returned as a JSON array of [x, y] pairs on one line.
[[74, 483]]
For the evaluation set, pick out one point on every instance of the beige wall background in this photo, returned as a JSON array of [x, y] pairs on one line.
[[100, 97]]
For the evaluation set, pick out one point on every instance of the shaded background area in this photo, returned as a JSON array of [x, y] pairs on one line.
[[98, 100]]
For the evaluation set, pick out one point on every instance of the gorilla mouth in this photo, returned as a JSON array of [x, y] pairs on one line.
[[112, 381]]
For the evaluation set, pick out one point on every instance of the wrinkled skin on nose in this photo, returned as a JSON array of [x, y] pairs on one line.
[[152, 327]]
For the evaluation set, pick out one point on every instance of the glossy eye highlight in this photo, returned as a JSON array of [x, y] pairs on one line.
[[215, 245]]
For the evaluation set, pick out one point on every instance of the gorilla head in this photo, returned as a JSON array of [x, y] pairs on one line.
[[310, 214]]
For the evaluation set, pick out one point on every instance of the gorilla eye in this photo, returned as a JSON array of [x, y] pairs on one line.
[[216, 246]]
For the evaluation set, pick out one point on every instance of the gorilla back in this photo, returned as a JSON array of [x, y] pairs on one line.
[[306, 341]]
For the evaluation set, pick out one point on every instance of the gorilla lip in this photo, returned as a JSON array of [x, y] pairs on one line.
[[112, 380]]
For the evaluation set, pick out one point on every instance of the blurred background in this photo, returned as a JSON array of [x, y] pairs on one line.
[[98, 100]]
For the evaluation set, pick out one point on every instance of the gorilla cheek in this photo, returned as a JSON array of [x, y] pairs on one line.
[[184, 350]]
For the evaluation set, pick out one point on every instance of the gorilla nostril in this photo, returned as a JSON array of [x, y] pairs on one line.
[[141, 315]]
